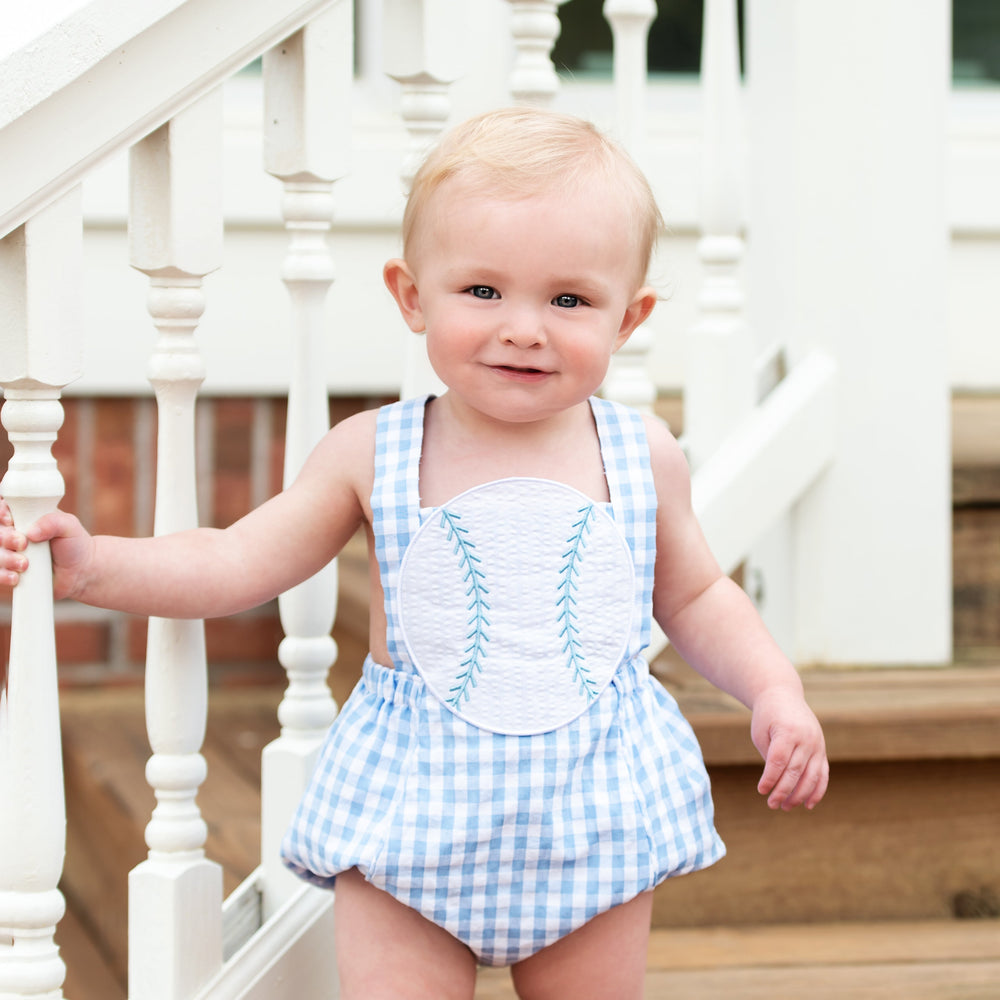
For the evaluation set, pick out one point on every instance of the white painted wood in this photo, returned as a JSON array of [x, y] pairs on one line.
[[423, 49], [245, 309], [39, 288], [630, 21], [768, 463], [849, 254], [144, 81], [242, 915], [534, 27], [291, 957], [307, 129], [719, 381], [175, 896], [629, 380]]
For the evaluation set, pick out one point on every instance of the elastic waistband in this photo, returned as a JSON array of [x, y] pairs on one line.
[[399, 686], [407, 688]]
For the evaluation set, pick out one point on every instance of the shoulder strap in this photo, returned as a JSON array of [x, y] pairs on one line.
[[625, 453], [395, 497]]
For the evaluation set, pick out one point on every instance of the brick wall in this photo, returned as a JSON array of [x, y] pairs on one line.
[[106, 451]]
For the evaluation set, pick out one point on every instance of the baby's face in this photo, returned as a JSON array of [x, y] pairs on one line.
[[525, 300]]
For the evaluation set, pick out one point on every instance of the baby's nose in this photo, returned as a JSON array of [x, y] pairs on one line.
[[524, 329]]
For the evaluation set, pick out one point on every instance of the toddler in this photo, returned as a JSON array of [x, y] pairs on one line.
[[507, 783]]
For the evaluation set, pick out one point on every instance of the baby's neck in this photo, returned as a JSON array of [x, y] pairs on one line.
[[456, 457]]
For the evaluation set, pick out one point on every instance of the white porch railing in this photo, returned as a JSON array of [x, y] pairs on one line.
[[148, 79]]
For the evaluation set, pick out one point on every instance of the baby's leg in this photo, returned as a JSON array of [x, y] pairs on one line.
[[605, 959], [388, 951]]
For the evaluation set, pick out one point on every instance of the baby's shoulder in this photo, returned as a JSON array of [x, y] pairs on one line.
[[353, 435], [347, 450], [667, 460]]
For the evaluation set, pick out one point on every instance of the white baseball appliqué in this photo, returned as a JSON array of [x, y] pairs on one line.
[[516, 602]]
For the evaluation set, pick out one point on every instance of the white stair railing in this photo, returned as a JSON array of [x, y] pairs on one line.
[[175, 227], [754, 454], [719, 364], [422, 53], [40, 276], [307, 86], [628, 379], [534, 27]]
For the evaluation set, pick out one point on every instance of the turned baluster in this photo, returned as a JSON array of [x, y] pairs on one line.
[[40, 267], [719, 374], [175, 228], [534, 26], [422, 43], [628, 380], [307, 86]]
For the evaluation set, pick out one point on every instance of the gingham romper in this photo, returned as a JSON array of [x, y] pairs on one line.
[[509, 842]]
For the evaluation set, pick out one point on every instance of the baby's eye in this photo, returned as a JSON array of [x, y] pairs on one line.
[[483, 292], [567, 301]]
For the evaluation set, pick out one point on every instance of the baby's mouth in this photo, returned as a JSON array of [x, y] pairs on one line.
[[520, 370]]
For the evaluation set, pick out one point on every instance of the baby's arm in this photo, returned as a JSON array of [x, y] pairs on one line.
[[715, 627], [208, 572]]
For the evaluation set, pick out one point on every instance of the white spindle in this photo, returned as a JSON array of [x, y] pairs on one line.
[[719, 373], [307, 82], [422, 51], [175, 226], [534, 25], [40, 265], [628, 380]]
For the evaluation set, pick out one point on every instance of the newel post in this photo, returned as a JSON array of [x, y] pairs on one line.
[[307, 86], [40, 267], [849, 255], [175, 232]]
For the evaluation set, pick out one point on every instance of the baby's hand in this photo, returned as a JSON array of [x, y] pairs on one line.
[[71, 547], [12, 546], [789, 738]]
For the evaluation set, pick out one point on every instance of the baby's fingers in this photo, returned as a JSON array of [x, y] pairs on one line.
[[55, 524], [12, 560], [793, 778]]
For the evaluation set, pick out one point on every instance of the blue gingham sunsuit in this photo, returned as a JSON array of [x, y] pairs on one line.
[[507, 842]]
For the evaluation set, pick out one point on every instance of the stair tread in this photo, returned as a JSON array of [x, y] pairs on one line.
[[919, 960], [868, 713]]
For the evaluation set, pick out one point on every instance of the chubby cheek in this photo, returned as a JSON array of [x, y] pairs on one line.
[[592, 355], [447, 347]]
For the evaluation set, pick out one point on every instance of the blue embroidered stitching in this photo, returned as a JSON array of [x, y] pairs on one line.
[[569, 572], [478, 606]]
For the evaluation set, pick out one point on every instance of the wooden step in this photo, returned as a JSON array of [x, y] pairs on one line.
[[930, 960], [908, 830]]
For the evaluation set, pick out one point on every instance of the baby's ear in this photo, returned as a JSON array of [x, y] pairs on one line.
[[636, 314], [400, 281]]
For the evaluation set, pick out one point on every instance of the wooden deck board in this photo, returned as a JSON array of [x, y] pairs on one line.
[[933, 960], [868, 714], [89, 974]]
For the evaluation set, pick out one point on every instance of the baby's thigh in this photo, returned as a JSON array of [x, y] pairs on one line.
[[388, 951], [604, 958]]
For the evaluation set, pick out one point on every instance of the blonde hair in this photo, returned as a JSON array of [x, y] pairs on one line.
[[517, 152]]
